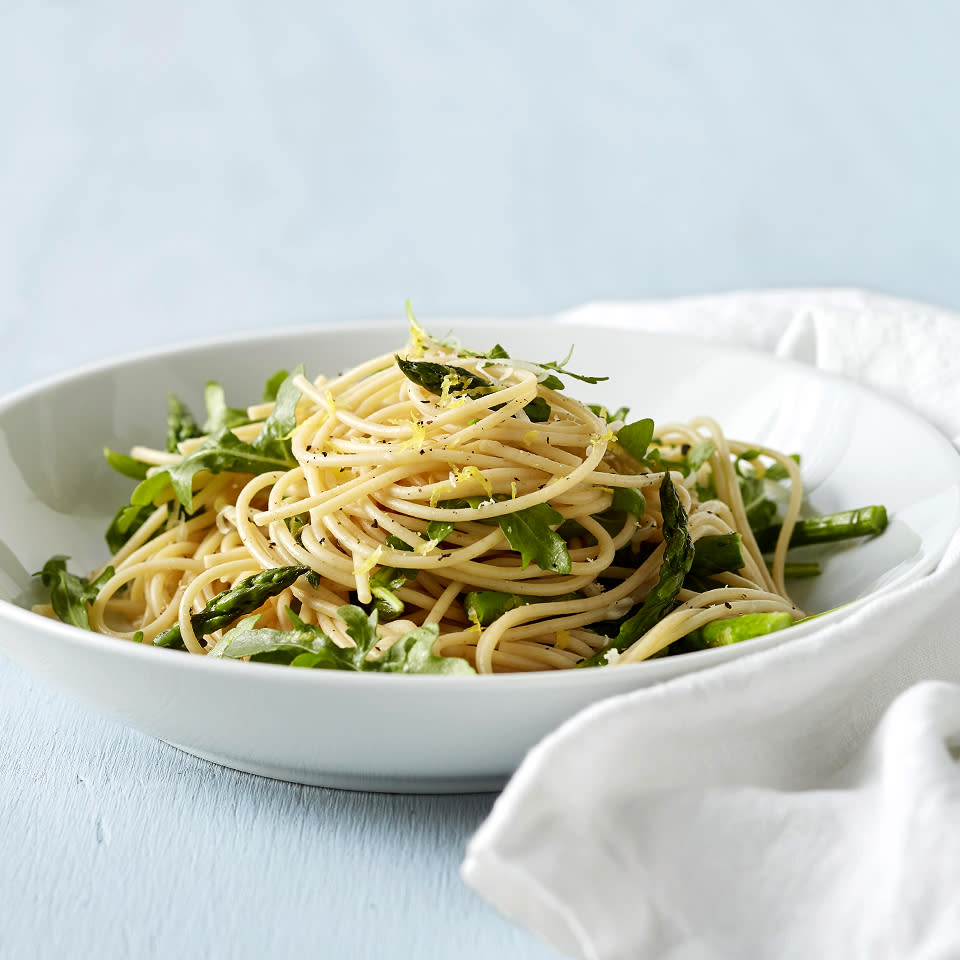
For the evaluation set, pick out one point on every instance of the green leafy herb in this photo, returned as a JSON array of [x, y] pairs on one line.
[[242, 598], [180, 423], [272, 386], [635, 438], [528, 532], [538, 410], [70, 595], [128, 520], [439, 530], [561, 367], [620, 413], [224, 451], [219, 415], [628, 500], [307, 646], [273, 438], [396, 543], [128, 466], [699, 454], [148, 490], [776, 471]]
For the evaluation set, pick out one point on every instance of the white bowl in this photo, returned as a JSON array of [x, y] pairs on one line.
[[423, 733]]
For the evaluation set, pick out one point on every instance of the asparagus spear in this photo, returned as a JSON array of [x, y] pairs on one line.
[[828, 527], [677, 560], [242, 598], [718, 633]]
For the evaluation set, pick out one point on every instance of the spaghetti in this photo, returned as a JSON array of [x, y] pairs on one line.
[[461, 492]]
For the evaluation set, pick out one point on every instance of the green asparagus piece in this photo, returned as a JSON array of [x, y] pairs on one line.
[[829, 527], [242, 598], [485, 606], [801, 571], [718, 553], [677, 560], [719, 633], [431, 376]]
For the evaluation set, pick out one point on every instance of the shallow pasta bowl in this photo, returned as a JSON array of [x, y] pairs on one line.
[[423, 733]]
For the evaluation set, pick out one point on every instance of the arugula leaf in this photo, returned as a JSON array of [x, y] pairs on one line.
[[223, 451], [432, 376], [619, 414], [397, 544], [127, 521], [307, 646], [635, 437], [219, 415], [272, 386], [698, 455], [69, 594], [561, 367], [413, 653], [528, 532], [439, 530], [180, 423], [273, 436], [776, 471], [538, 410], [628, 500], [148, 490], [361, 627], [128, 466]]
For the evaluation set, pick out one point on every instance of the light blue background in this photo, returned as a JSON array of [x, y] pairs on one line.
[[169, 171]]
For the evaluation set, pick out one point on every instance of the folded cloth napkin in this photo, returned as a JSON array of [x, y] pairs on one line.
[[799, 802]]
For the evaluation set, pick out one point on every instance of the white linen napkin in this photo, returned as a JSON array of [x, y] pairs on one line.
[[799, 802]]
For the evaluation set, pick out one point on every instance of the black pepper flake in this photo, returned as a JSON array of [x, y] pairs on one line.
[[685, 449], [322, 541], [444, 556], [728, 605], [323, 453], [376, 524]]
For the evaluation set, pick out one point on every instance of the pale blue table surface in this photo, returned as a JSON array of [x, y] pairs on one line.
[[170, 171]]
